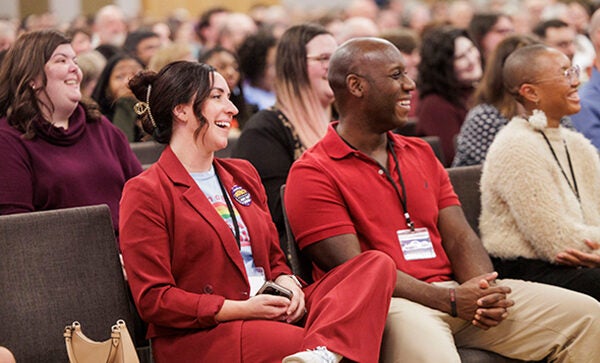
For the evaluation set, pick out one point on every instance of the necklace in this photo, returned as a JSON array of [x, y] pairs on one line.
[[574, 185]]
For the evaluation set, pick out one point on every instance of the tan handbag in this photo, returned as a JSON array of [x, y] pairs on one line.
[[118, 349]]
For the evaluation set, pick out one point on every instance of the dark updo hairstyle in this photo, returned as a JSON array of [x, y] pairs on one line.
[[177, 83]]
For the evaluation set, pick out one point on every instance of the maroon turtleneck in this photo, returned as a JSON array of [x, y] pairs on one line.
[[85, 165]]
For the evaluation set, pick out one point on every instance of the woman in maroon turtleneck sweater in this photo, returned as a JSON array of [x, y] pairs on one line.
[[56, 151]]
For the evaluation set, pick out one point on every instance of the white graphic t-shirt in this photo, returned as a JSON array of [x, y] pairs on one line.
[[209, 184]]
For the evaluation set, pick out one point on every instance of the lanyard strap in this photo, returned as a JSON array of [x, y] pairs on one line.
[[409, 222], [574, 186], [390, 147], [236, 227]]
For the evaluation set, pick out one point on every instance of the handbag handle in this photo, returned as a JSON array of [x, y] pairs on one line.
[[75, 328]]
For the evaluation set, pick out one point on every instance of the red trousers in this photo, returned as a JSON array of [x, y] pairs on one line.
[[347, 310]]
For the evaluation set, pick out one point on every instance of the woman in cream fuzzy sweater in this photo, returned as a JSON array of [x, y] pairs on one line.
[[540, 186]]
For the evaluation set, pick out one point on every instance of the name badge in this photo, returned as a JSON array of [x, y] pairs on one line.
[[416, 245], [256, 276]]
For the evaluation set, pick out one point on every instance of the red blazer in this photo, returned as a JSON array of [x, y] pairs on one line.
[[181, 258]]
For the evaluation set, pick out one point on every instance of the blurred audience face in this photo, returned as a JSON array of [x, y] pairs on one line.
[[8, 34], [318, 52], [81, 42], [357, 27], [63, 79], [235, 29], [460, 13], [210, 33], [467, 61], [503, 28], [225, 63], [110, 26], [563, 39], [577, 16], [120, 76], [164, 33], [364, 8], [267, 82], [146, 48], [419, 17]]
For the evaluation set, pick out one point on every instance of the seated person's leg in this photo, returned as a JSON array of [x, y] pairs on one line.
[[269, 341], [416, 333], [348, 306], [546, 321]]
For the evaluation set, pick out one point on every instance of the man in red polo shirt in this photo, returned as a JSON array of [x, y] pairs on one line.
[[363, 187]]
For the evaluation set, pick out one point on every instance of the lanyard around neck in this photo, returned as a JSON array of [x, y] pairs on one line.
[[390, 148], [409, 222], [236, 232], [574, 185]]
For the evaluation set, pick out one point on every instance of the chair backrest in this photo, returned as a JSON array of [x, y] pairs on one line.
[[465, 180], [299, 263], [147, 152], [436, 146], [57, 267], [231, 142]]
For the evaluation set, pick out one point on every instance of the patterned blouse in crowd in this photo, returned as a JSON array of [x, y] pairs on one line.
[[479, 130], [477, 133]]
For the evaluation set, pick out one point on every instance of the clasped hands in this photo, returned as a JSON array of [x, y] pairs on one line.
[[482, 302], [280, 308]]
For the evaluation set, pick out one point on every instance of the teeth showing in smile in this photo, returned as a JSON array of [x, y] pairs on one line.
[[223, 124], [405, 103], [71, 82]]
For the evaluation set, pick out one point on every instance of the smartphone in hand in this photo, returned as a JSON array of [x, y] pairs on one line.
[[271, 288]]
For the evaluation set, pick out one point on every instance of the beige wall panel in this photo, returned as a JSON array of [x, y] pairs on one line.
[[27, 7], [161, 8], [90, 7]]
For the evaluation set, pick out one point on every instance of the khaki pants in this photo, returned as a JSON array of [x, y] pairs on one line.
[[546, 321]]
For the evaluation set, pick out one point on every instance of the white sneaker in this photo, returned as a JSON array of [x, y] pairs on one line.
[[319, 355]]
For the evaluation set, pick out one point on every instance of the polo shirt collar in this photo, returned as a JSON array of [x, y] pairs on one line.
[[337, 148]]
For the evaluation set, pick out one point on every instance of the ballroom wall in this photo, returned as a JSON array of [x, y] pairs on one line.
[[66, 10]]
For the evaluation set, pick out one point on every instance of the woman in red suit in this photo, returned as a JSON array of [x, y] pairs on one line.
[[198, 242]]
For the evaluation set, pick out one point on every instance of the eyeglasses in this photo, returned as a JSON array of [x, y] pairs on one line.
[[571, 74], [321, 58]]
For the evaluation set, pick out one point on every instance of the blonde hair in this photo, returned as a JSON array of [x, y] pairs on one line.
[[304, 111], [168, 54], [295, 97]]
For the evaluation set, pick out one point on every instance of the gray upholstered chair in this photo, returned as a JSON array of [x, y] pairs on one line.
[[301, 266], [436, 146], [465, 181], [147, 152], [57, 267]]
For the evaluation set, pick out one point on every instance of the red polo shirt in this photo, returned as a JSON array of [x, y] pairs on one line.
[[334, 189]]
